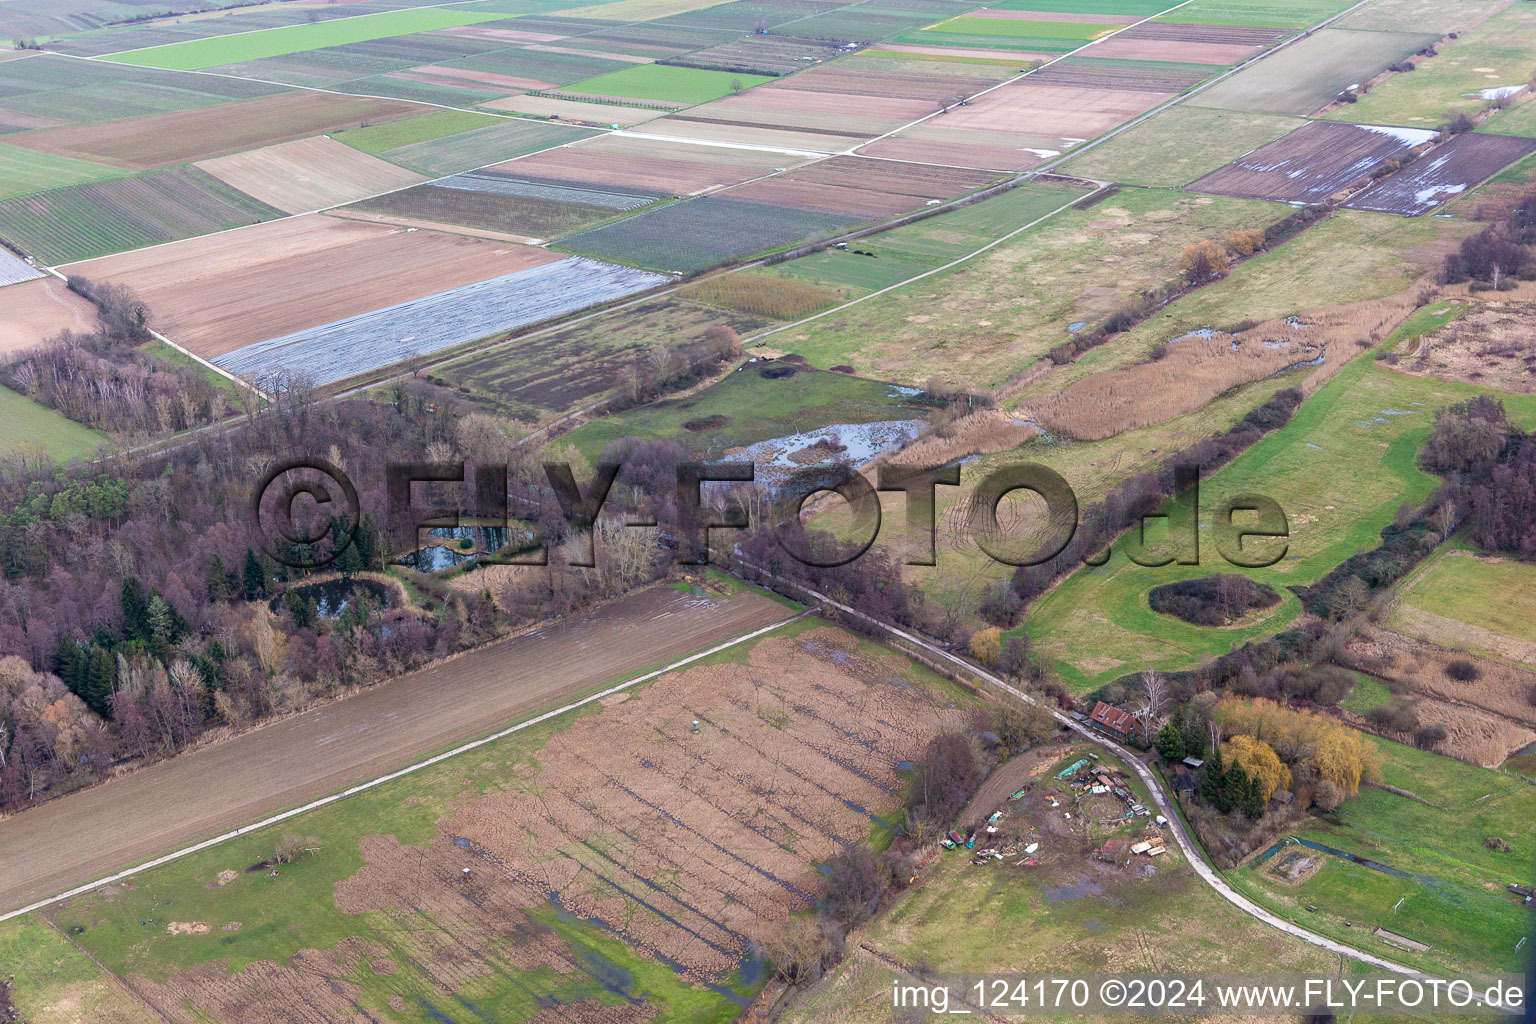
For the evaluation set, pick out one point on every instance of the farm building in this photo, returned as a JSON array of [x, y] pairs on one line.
[[1120, 724], [1184, 781]]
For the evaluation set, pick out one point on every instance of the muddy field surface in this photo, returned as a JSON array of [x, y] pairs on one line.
[[1442, 174], [85, 835], [1494, 346], [1311, 163], [1241, 35]]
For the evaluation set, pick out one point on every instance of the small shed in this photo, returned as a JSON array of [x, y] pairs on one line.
[[1194, 763]]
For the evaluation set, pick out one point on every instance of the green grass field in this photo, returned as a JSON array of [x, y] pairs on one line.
[[195, 54], [665, 84], [1368, 693], [1454, 898], [59, 985], [1010, 28], [29, 425], [1419, 15], [1466, 602], [907, 251], [376, 138], [1179, 145], [1499, 52], [1339, 469], [26, 170], [1519, 119], [757, 408], [1498, 595]]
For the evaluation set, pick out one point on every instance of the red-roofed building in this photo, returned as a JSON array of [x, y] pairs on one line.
[[1122, 725]]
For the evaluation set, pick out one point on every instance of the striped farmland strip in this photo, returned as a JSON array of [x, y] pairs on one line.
[[480, 181]]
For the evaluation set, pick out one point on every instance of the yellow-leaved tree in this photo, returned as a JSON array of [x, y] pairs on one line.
[[1260, 761]]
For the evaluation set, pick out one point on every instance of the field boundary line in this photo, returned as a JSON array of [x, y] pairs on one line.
[[407, 770], [929, 273], [1023, 75]]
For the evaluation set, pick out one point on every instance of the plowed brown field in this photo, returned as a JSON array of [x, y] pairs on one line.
[[32, 312], [85, 835], [219, 292], [161, 140]]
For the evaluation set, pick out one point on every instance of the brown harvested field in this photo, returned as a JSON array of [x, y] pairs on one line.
[[899, 82], [217, 293], [928, 144], [310, 174], [901, 178], [602, 114], [35, 311], [1127, 48], [183, 136], [800, 110], [863, 203], [1015, 57], [789, 143], [1041, 109], [488, 78], [85, 835], [1442, 174], [707, 839], [1492, 346], [1198, 369], [1077, 74], [863, 186], [1233, 35], [1311, 164], [618, 160]]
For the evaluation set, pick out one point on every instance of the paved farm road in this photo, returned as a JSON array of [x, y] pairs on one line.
[[86, 835]]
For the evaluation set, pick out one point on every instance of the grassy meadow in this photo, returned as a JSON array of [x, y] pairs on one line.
[[1451, 884], [1499, 52], [1463, 601], [753, 408], [1340, 469], [1179, 145], [30, 426], [666, 84], [988, 319]]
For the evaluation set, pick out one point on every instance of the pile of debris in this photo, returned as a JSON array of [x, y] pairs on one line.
[[997, 843]]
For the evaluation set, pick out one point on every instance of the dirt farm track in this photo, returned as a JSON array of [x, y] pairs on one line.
[[72, 840]]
